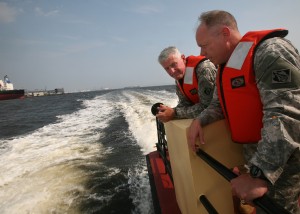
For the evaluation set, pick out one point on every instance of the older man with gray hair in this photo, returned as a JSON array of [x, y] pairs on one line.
[[195, 82]]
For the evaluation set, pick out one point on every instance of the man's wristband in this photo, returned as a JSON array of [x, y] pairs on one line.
[[256, 172]]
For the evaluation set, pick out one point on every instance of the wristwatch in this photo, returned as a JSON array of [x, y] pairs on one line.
[[256, 172]]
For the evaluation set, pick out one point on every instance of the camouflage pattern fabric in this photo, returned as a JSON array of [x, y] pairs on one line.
[[206, 75], [277, 70]]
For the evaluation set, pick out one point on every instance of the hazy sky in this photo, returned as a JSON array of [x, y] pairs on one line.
[[94, 44]]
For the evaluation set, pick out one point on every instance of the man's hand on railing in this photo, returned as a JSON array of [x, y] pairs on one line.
[[165, 113], [194, 132], [264, 202], [255, 188]]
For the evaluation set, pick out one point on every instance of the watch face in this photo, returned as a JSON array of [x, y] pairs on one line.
[[255, 171]]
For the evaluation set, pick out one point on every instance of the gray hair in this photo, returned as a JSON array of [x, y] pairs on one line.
[[165, 53], [218, 17]]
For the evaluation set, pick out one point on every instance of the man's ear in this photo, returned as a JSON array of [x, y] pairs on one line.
[[183, 58], [226, 31]]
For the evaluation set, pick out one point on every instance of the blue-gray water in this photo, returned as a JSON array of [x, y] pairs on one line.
[[79, 152]]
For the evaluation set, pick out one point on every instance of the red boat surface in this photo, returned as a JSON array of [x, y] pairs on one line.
[[162, 188]]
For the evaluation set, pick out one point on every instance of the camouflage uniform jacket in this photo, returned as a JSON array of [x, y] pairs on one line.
[[206, 75], [277, 70]]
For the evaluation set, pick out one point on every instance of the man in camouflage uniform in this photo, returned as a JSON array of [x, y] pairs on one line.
[[175, 65], [276, 67]]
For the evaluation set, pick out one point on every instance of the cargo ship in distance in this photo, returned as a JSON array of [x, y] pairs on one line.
[[7, 90]]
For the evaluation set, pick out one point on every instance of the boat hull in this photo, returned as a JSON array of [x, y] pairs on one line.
[[12, 94], [162, 188]]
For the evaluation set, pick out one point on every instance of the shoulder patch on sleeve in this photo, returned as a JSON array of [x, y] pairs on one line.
[[281, 76]]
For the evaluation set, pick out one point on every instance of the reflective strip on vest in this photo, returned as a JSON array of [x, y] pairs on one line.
[[188, 76], [239, 55]]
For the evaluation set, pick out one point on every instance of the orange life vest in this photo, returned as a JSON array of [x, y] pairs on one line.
[[237, 89], [189, 84]]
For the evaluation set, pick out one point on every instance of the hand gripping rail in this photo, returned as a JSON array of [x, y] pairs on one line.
[[264, 202]]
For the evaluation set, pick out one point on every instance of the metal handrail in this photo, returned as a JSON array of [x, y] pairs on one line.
[[162, 147], [207, 205]]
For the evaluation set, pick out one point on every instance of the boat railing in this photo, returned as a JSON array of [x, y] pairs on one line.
[[267, 204], [162, 147]]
